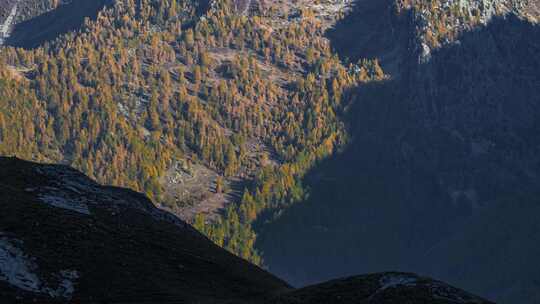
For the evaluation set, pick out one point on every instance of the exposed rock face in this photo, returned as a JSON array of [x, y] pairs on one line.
[[7, 22], [379, 26], [441, 22], [5, 8]]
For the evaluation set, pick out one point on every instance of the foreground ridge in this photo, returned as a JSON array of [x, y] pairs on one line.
[[65, 238]]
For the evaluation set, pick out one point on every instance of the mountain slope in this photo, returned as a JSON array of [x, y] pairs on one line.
[[441, 151], [199, 112], [64, 238]]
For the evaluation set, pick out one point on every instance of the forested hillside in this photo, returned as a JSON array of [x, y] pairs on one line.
[[154, 94]]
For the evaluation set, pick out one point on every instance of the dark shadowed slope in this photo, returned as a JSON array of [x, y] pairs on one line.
[[62, 236], [441, 178], [66, 239], [48, 26], [372, 30], [380, 288]]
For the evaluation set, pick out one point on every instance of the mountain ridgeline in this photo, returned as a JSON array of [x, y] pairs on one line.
[[315, 139]]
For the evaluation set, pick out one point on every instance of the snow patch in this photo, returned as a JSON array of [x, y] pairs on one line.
[[391, 281], [436, 289], [61, 202], [73, 186], [71, 190], [16, 268]]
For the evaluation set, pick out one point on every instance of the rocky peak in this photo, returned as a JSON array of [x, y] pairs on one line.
[[441, 22]]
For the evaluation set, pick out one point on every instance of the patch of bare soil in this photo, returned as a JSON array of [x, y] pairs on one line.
[[192, 188]]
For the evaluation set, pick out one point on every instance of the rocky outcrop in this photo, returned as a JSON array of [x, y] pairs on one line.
[[441, 22]]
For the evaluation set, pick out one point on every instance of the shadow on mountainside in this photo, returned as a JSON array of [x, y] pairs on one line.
[[48, 26], [442, 175], [373, 30]]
